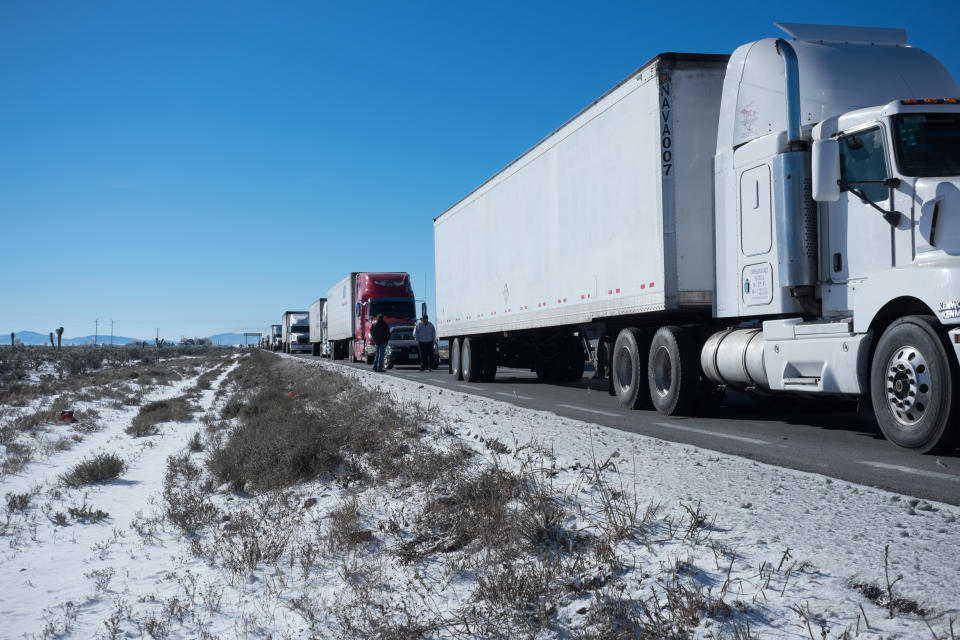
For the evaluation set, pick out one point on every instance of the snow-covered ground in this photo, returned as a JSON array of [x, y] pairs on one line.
[[785, 545]]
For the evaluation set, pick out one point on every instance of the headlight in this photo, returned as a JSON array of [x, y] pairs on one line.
[[389, 349]]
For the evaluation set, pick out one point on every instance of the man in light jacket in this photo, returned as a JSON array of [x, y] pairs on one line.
[[425, 334]]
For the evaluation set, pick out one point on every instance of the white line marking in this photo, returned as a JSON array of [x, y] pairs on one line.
[[466, 386], [603, 413], [919, 472], [512, 395], [707, 432], [440, 380]]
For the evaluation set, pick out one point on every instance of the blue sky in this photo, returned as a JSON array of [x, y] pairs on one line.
[[202, 167]]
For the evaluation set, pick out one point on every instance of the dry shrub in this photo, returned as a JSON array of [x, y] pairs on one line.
[[100, 468], [476, 506], [295, 424], [153, 413]]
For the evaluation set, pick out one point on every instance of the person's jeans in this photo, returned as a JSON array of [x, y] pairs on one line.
[[378, 359], [426, 355]]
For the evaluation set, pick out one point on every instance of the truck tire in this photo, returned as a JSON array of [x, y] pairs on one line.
[[673, 369], [471, 358], [628, 369], [912, 382], [489, 373], [455, 359]]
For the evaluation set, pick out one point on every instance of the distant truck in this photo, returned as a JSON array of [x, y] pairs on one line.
[[318, 326], [353, 305], [275, 337], [296, 331], [783, 219]]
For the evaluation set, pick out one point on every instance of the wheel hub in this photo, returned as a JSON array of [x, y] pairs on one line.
[[908, 385]]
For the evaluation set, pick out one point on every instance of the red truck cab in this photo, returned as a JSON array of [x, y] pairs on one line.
[[376, 293]]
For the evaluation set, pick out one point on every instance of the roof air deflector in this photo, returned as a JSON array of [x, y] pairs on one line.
[[837, 33]]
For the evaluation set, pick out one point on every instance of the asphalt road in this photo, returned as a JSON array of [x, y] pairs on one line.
[[822, 436]]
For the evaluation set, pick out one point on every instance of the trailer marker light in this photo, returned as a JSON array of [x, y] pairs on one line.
[[643, 286], [618, 290], [950, 100]]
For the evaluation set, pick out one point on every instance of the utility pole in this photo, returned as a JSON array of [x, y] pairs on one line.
[[111, 332], [96, 330]]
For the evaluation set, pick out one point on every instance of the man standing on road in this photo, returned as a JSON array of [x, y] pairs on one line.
[[425, 334], [380, 332]]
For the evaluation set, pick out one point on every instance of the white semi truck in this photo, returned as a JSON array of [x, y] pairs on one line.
[[296, 331], [318, 327], [782, 219]]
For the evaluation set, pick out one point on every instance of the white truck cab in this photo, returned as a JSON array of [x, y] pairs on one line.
[[838, 210]]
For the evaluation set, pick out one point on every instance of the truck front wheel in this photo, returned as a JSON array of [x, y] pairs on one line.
[[911, 386], [628, 370], [673, 369]]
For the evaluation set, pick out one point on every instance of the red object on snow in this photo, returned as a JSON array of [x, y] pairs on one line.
[[290, 395], [67, 416]]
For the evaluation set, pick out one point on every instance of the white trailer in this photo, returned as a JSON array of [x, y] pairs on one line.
[[341, 316], [296, 331], [676, 228], [318, 326]]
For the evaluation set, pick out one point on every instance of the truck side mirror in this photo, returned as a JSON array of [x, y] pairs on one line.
[[358, 309], [826, 170]]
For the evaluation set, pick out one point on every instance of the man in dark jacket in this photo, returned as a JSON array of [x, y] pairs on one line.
[[380, 332]]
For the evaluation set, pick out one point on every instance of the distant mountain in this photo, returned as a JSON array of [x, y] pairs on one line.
[[38, 339], [101, 339], [34, 338]]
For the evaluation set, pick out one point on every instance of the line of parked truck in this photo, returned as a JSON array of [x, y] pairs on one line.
[[339, 325], [784, 219]]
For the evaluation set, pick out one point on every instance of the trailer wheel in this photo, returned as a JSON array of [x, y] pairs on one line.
[[628, 370], [912, 380], [673, 369], [455, 367], [489, 373], [471, 359]]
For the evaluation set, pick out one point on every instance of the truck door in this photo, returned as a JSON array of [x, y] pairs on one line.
[[861, 241]]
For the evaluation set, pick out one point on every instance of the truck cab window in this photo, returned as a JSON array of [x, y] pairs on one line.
[[927, 144], [862, 159]]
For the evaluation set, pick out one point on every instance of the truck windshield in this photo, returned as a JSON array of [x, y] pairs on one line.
[[927, 144], [300, 328], [392, 308]]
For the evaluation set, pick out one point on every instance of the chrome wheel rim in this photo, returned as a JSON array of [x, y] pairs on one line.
[[908, 385]]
